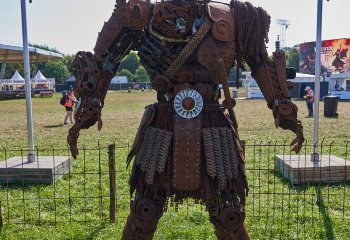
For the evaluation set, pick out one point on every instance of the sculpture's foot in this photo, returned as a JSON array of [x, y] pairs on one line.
[[225, 234]]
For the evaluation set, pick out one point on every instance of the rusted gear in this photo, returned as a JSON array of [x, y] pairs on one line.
[[146, 210], [161, 83], [188, 103], [227, 105], [232, 218], [222, 30], [143, 219]]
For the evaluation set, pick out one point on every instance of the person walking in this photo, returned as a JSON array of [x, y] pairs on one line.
[[309, 100], [70, 100]]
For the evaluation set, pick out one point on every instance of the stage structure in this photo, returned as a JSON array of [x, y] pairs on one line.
[[283, 33], [31, 168]]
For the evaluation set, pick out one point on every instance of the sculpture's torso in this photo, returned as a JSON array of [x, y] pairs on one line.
[[171, 29]]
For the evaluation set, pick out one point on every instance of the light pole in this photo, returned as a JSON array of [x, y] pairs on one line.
[[28, 86], [315, 154], [283, 28]]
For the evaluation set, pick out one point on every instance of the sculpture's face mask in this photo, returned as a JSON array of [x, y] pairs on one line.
[[175, 18]]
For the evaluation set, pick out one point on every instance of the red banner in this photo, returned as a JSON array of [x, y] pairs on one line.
[[334, 56]]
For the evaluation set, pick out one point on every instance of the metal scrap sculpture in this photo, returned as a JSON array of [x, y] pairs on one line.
[[187, 144]]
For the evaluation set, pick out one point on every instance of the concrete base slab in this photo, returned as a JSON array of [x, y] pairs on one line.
[[46, 169], [300, 169]]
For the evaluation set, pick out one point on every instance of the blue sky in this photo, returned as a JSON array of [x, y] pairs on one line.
[[73, 25]]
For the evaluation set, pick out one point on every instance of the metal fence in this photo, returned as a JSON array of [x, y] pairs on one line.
[[96, 190]]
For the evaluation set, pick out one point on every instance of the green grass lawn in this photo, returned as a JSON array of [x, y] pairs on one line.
[[275, 209]]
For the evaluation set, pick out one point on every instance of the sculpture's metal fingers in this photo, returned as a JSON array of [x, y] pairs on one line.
[[295, 126], [297, 144], [297, 147], [298, 141], [86, 116], [100, 123], [72, 140]]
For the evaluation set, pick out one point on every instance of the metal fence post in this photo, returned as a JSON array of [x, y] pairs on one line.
[[112, 182]]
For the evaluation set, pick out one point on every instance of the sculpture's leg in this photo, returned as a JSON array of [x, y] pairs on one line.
[[143, 219], [229, 224]]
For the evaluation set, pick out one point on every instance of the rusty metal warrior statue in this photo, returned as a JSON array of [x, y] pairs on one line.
[[187, 144]]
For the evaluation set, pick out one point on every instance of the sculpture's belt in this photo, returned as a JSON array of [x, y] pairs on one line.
[[169, 107], [206, 90]]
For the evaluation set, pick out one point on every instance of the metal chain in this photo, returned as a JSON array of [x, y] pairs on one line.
[[188, 49]]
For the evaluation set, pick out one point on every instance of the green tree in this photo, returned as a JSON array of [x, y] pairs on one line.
[[130, 62], [57, 70], [293, 58], [141, 75], [11, 68], [68, 59], [44, 47], [125, 72]]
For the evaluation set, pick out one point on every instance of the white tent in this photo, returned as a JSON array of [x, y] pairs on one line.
[[303, 77], [40, 82], [15, 83], [17, 78], [39, 77]]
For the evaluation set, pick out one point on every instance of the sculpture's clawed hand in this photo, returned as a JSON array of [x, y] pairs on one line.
[[86, 116], [286, 117]]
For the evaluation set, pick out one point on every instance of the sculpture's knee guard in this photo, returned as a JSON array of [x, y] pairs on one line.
[[230, 224], [143, 219]]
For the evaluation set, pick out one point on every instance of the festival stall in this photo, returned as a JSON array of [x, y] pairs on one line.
[[11, 88], [300, 82], [16, 83], [14, 87], [340, 85], [42, 85]]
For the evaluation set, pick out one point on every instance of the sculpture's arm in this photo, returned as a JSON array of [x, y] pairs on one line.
[[271, 76], [251, 33], [93, 72]]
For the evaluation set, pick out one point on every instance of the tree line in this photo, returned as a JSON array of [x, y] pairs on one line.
[[130, 66]]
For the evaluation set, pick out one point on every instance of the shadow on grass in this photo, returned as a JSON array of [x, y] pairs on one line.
[[326, 219], [95, 232], [300, 188], [54, 126], [25, 186]]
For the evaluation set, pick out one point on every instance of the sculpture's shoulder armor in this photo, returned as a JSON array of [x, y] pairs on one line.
[[135, 14], [223, 21], [127, 19]]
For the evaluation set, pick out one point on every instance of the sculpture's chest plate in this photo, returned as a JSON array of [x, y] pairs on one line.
[[172, 28]]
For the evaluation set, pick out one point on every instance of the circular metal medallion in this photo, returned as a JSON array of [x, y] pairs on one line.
[[188, 103]]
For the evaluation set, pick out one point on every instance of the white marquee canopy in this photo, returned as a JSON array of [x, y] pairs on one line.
[[17, 78]]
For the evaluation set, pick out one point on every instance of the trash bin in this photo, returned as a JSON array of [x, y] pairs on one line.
[[330, 106]]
